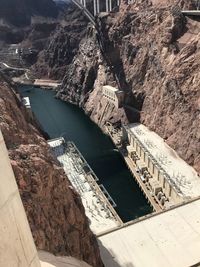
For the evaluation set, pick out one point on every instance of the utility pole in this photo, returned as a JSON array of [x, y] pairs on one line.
[[84, 3]]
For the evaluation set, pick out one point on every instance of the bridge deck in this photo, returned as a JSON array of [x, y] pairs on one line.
[[171, 238]]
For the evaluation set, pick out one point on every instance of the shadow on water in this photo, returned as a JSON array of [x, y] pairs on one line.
[[58, 118]]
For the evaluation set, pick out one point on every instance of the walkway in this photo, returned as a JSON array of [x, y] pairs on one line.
[[47, 83], [13, 68]]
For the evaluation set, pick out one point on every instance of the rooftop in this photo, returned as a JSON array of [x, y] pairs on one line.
[[184, 179], [111, 88]]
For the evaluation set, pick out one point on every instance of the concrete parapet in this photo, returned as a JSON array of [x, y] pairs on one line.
[[17, 247]]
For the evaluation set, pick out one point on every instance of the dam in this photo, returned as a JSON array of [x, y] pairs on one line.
[[60, 119], [168, 237]]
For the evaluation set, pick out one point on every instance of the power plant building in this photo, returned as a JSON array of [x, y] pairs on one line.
[[170, 179], [113, 95]]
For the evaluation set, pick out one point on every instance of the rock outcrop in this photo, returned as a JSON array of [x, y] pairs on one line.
[[151, 51], [54, 209]]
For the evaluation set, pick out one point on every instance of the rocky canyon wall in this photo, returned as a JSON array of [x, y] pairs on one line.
[[152, 52], [54, 209]]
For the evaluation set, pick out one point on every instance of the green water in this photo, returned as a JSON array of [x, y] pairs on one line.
[[59, 118]]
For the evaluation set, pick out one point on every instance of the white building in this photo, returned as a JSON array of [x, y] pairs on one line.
[[169, 177], [113, 95], [26, 102]]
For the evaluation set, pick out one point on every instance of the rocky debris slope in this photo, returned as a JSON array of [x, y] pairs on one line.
[[153, 53], [54, 209]]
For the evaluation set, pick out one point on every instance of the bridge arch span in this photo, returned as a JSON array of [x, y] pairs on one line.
[[82, 5]]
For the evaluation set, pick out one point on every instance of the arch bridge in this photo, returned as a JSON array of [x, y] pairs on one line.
[[91, 8]]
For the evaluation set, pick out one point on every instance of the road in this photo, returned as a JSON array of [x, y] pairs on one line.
[[14, 68]]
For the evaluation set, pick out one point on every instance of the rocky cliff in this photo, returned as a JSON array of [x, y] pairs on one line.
[[20, 12], [62, 45], [151, 52], [43, 31], [54, 210]]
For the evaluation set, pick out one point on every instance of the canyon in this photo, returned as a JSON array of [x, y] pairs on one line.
[[150, 51], [54, 209], [152, 54]]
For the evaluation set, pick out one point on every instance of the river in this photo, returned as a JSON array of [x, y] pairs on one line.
[[62, 119]]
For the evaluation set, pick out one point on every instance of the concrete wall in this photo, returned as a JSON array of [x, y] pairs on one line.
[[17, 247], [49, 260], [113, 95]]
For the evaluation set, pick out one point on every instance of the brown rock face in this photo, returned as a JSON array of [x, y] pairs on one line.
[[153, 53], [63, 44], [54, 210]]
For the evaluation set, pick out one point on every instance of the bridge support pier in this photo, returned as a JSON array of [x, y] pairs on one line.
[[107, 7], [95, 7], [110, 5], [98, 7], [82, 4]]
